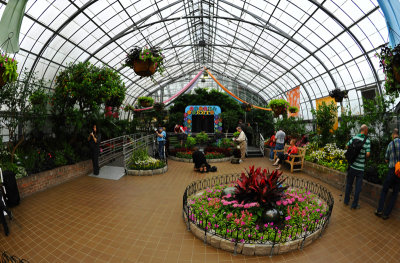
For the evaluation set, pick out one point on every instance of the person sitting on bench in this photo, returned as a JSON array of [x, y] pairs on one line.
[[281, 157], [200, 161]]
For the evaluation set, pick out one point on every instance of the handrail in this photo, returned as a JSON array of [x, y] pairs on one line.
[[113, 148], [262, 144]]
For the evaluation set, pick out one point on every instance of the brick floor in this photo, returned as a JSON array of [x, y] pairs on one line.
[[139, 219]]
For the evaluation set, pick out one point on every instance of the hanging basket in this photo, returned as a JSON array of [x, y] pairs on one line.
[[246, 107], [2, 82], [396, 72], [293, 110], [279, 110], [145, 104], [144, 68]]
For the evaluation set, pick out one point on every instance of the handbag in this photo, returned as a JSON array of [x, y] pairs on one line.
[[397, 165]]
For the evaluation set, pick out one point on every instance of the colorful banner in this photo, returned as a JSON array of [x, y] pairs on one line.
[[328, 100], [293, 97], [202, 110]]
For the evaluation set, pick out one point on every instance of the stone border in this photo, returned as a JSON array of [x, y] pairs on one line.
[[147, 172], [220, 160], [250, 249]]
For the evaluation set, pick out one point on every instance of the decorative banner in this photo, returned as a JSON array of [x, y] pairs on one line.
[[188, 86], [202, 110], [328, 100], [233, 95], [293, 97]]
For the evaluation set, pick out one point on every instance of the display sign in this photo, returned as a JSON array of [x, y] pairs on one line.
[[194, 123]]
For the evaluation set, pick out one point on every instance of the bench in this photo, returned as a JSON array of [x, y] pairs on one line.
[[300, 161]]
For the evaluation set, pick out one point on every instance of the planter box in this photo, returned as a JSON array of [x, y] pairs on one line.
[[47, 179], [370, 192], [220, 160], [147, 172]]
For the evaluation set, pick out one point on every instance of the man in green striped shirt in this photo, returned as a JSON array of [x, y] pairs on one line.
[[356, 169]]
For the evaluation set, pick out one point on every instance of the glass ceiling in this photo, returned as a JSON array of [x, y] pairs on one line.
[[265, 47]]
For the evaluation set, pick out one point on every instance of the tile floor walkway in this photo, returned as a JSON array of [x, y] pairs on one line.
[[139, 219]]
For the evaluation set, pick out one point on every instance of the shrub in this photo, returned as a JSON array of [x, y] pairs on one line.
[[59, 159], [190, 142], [202, 138], [214, 155], [140, 160], [226, 143], [184, 155]]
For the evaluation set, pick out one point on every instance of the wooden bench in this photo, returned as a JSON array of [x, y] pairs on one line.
[[300, 161]]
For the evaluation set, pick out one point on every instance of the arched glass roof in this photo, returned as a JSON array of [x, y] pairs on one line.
[[264, 46]]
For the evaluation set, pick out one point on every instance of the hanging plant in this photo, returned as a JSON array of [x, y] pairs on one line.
[[145, 61], [246, 107], [8, 70], [278, 106], [338, 94], [293, 109], [129, 108], [158, 106], [145, 101], [389, 60]]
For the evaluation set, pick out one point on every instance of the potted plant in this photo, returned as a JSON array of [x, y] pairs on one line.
[[338, 94], [389, 60], [129, 108], [246, 107], [293, 109], [8, 70], [145, 101], [158, 106], [278, 106], [145, 61], [38, 97]]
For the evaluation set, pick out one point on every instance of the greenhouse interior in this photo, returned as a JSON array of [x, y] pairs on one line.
[[199, 130]]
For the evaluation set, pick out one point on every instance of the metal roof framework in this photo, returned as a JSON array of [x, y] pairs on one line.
[[266, 47]]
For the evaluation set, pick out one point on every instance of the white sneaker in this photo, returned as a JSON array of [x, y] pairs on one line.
[[240, 161]]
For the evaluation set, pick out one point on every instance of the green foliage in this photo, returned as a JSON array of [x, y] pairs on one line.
[[202, 138], [59, 159], [330, 156], [292, 126], [148, 100], [9, 65], [236, 134], [190, 142], [264, 120], [277, 103], [140, 160], [225, 143], [214, 155], [324, 118], [293, 109], [184, 155], [389, 59], [347, 125]]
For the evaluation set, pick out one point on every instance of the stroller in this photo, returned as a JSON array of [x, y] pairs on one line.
[[3, 207]]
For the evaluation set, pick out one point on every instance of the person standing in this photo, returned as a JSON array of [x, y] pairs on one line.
[[242, 140], [280, 140], [94, 149], [161, 137], [249, 134], [180, 132], [356, 169], [272, 143], [391, 157]]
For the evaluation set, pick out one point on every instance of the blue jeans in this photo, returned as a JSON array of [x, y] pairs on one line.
[[390, 180], [271, 153], [358, 175], [161, 149]]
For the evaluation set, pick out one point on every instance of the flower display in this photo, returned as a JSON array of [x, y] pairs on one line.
[[241, 221], [140, 160], [330, 156]]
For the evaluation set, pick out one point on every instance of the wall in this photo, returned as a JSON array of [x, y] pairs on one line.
[[47, 179], [370, 192]]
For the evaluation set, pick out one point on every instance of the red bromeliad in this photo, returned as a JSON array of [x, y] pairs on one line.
[[260, 186]]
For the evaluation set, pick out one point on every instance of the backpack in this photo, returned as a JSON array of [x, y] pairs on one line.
[[354, 150], [213, 169]]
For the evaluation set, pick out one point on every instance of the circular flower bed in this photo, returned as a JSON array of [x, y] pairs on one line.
[[212, 154], [257, 210], [141, 163]]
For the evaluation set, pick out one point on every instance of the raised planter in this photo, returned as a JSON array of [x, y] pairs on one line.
[[47, 179], [147, 172], [370, 192], [220, 160]]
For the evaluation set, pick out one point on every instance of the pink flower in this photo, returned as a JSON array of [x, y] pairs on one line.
[[287, 218], [285, 203], [279, 202]]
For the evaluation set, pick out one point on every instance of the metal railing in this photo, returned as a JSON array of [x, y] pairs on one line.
[[235, 233], [131, 144], [113, 148], [261, 144], [6, 258]]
